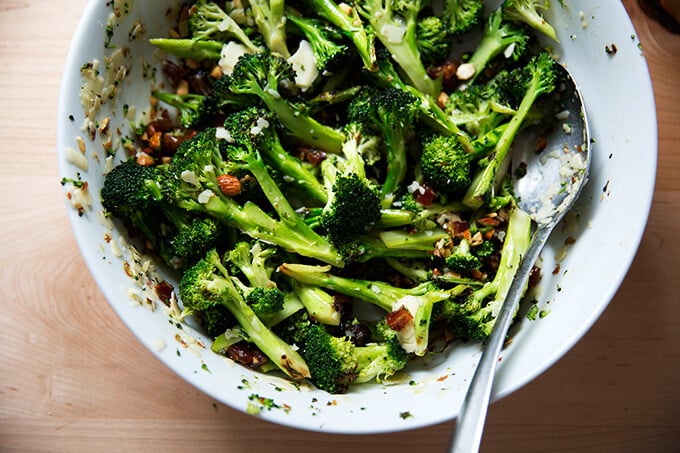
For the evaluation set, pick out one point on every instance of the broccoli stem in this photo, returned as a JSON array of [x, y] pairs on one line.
[[404, 50], [189, 48], [424, 240], [297, 174], [301, 126], [270, 18], [319, 304]]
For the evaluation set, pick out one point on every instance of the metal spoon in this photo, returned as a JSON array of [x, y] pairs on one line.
[[553, 182]]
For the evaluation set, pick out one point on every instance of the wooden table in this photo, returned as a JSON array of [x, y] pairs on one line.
[[75, 379]]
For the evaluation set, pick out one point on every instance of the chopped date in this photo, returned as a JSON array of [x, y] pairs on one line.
[[399, 318], [164, 292], [246, 354], [426, 195], [534, 276]]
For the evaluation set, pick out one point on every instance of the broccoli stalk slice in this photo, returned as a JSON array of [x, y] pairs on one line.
[[539, 78], [480, 309], [395, 26], [208, 21], [208, 284], [319, 304], [225, 340], [498, 35], [423, 240], [189, 48], [348, 21], [260, 75], [527, 11], [290, 232], [415, 271], [270, 17]]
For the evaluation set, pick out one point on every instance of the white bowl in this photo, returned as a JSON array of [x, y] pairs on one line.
[[613, 212]]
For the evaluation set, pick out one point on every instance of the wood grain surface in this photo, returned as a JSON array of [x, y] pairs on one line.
[[74, 378]]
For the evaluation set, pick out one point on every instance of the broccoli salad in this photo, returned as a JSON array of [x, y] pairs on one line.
[[330, 181]]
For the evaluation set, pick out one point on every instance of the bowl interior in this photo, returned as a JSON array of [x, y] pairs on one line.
[[606, 234]]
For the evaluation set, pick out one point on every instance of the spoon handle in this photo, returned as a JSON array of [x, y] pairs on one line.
[[470, 423]]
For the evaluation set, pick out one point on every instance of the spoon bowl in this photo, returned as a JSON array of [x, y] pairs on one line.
[[551, 178]]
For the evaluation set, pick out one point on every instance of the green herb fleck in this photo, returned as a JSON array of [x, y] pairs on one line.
[[405, 415], [532, 313]]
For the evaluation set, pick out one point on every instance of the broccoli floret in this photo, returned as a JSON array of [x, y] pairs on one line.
[[461, 258], [270, 17], [445, 165], [208, 21], [195, 236], [215, 320], [394, 22], [499, 36], [531, 81], [133, 193], [265, 301], [331, 359], [260, 75], [354, 207], [391, 113], [382, 359], [348, 21], [190, 48], [326, 42], [479, 108], [433, 39], [527, 11], [418, 301], [130, 188], [462, 15], [475, 316], [208, 284]]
